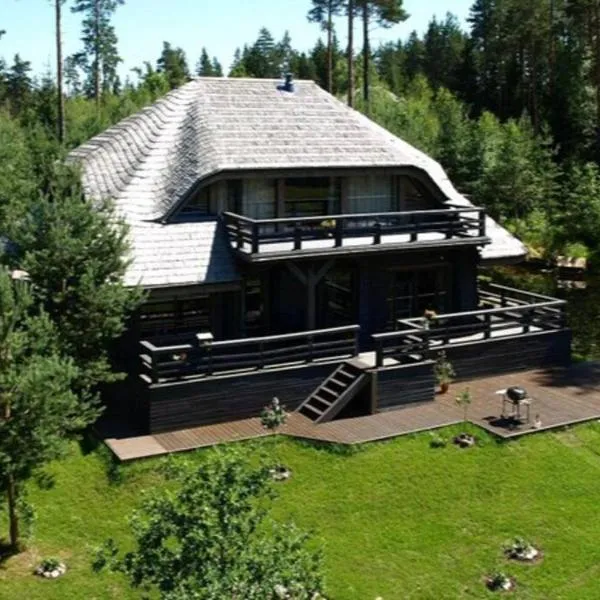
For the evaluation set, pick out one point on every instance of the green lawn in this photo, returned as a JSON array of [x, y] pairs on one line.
[[397, 519]]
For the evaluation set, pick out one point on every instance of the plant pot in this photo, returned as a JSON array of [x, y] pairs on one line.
[[444, 387]]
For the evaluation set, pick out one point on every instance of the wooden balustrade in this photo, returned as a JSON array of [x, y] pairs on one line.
[[164, 363], [513, 313], [253, 236]]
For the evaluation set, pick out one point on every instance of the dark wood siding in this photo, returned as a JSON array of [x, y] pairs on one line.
[[194, 403], [497, 356], [398, 386]]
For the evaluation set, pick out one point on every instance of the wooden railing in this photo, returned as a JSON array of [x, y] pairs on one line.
[[166, 363], [250, 235], [512, 313]]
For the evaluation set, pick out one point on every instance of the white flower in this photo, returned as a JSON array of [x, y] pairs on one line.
[[281, 591]]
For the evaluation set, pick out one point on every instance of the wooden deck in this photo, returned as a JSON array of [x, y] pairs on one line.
[[561, 397]]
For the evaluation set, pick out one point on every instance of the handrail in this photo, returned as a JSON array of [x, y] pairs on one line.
[[357, 216], [165, 363], [251, 236]]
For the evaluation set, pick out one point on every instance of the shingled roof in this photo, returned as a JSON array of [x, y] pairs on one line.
[[149, 162]]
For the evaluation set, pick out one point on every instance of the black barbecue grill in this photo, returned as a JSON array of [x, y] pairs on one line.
[[517, 398]]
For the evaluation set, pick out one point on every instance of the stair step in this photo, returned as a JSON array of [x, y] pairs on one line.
[[347, 374], [335, 394], [312, 409], [322, 400], [343, 384]]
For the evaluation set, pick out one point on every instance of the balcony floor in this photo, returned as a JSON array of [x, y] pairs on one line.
[[560, 396]]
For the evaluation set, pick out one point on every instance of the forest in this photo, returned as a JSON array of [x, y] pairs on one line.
[[510, 105]]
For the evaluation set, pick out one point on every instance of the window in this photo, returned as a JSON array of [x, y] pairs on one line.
[[175, 317], [259, 198], [234, 196], [415, 195], [199, 204], [370, 194], [312, 196]]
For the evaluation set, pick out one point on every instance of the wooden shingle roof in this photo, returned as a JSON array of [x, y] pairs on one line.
[[148, 162]]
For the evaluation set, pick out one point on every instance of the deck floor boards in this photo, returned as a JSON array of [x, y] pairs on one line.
[[560, 397]]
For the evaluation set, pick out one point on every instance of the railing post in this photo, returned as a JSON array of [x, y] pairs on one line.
[[482, 223], [450, 227], [377, 235], [255, 242], [311, 347], [339, 232], [239, 235], [261, 349], [487, 332], [563, 316], [356, 342], [209, 355], [154, 371], [297, 236], [379, 353], [414, 228], [527, 320]]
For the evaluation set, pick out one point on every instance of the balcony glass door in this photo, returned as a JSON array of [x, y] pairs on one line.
[[312, 196], [411, 293]]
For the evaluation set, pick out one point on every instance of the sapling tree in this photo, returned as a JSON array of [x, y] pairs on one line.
[[209, 538], [37, 407], [464, 400]]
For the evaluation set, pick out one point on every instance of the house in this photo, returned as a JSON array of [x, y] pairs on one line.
[[290, 246]]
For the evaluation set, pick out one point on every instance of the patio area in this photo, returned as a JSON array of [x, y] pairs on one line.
[[561, 397]]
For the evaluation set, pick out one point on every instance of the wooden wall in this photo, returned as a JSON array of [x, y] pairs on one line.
[[497, 356], [189, 404], [406, 384]]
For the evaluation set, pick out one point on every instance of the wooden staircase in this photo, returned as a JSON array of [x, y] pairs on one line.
[[335, 392]]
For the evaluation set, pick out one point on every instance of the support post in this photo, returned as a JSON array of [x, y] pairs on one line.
[[255, 243], [482, 223]]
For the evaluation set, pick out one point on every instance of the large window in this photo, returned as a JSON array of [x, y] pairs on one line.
[[259, 198], [200, 204], [312, 196], [371, 194], [175, 317]]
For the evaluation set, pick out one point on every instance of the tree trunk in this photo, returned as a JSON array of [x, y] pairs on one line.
[[13, 517], [97, 51], [350, 53], [59, 73], [330, 47], [366, 53]]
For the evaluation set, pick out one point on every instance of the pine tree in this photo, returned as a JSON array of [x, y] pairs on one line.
[[217, 68], [19, 84], [99, 58], [204, 67], [37, 406], [385, 13], [323, 12], [59, 71], [173, 63]]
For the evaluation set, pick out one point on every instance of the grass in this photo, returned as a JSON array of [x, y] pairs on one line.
[[397, 519]]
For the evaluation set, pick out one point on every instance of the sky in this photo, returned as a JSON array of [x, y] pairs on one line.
[[221, 26]]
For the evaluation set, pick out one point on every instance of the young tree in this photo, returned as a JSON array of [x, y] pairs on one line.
[[37, 407], [210, 539], [19, 84], [74, 252], [322, 12], [99, 58], [172, 62]]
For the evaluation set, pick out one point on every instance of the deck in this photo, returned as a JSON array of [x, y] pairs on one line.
[[560, 396]]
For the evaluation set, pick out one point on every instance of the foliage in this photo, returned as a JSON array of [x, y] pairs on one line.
[[50, 564], [273, 415], [37, 407], [437, 441], [211, 539], [464, 400], [173, 63], [443, 369], [75, 254]]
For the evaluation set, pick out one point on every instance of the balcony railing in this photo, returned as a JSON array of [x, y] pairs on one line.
[[256, 237], [510, 313], [162, 363]]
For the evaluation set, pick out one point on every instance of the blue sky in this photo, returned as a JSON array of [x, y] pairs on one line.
[[142, 26]]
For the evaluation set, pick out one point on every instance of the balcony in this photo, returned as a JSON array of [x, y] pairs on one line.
[[259, 240]]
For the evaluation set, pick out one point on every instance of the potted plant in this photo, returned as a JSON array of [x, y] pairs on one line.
[[444, 372], [500, 582], [522, 550]]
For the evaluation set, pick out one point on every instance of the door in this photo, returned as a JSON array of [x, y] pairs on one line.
[[413, 292]]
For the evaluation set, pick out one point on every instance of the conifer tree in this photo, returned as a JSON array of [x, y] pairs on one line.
[[173, 63], [99, 57]]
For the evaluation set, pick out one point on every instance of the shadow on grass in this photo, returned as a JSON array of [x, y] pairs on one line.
[[6, 551], [89, 442]]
